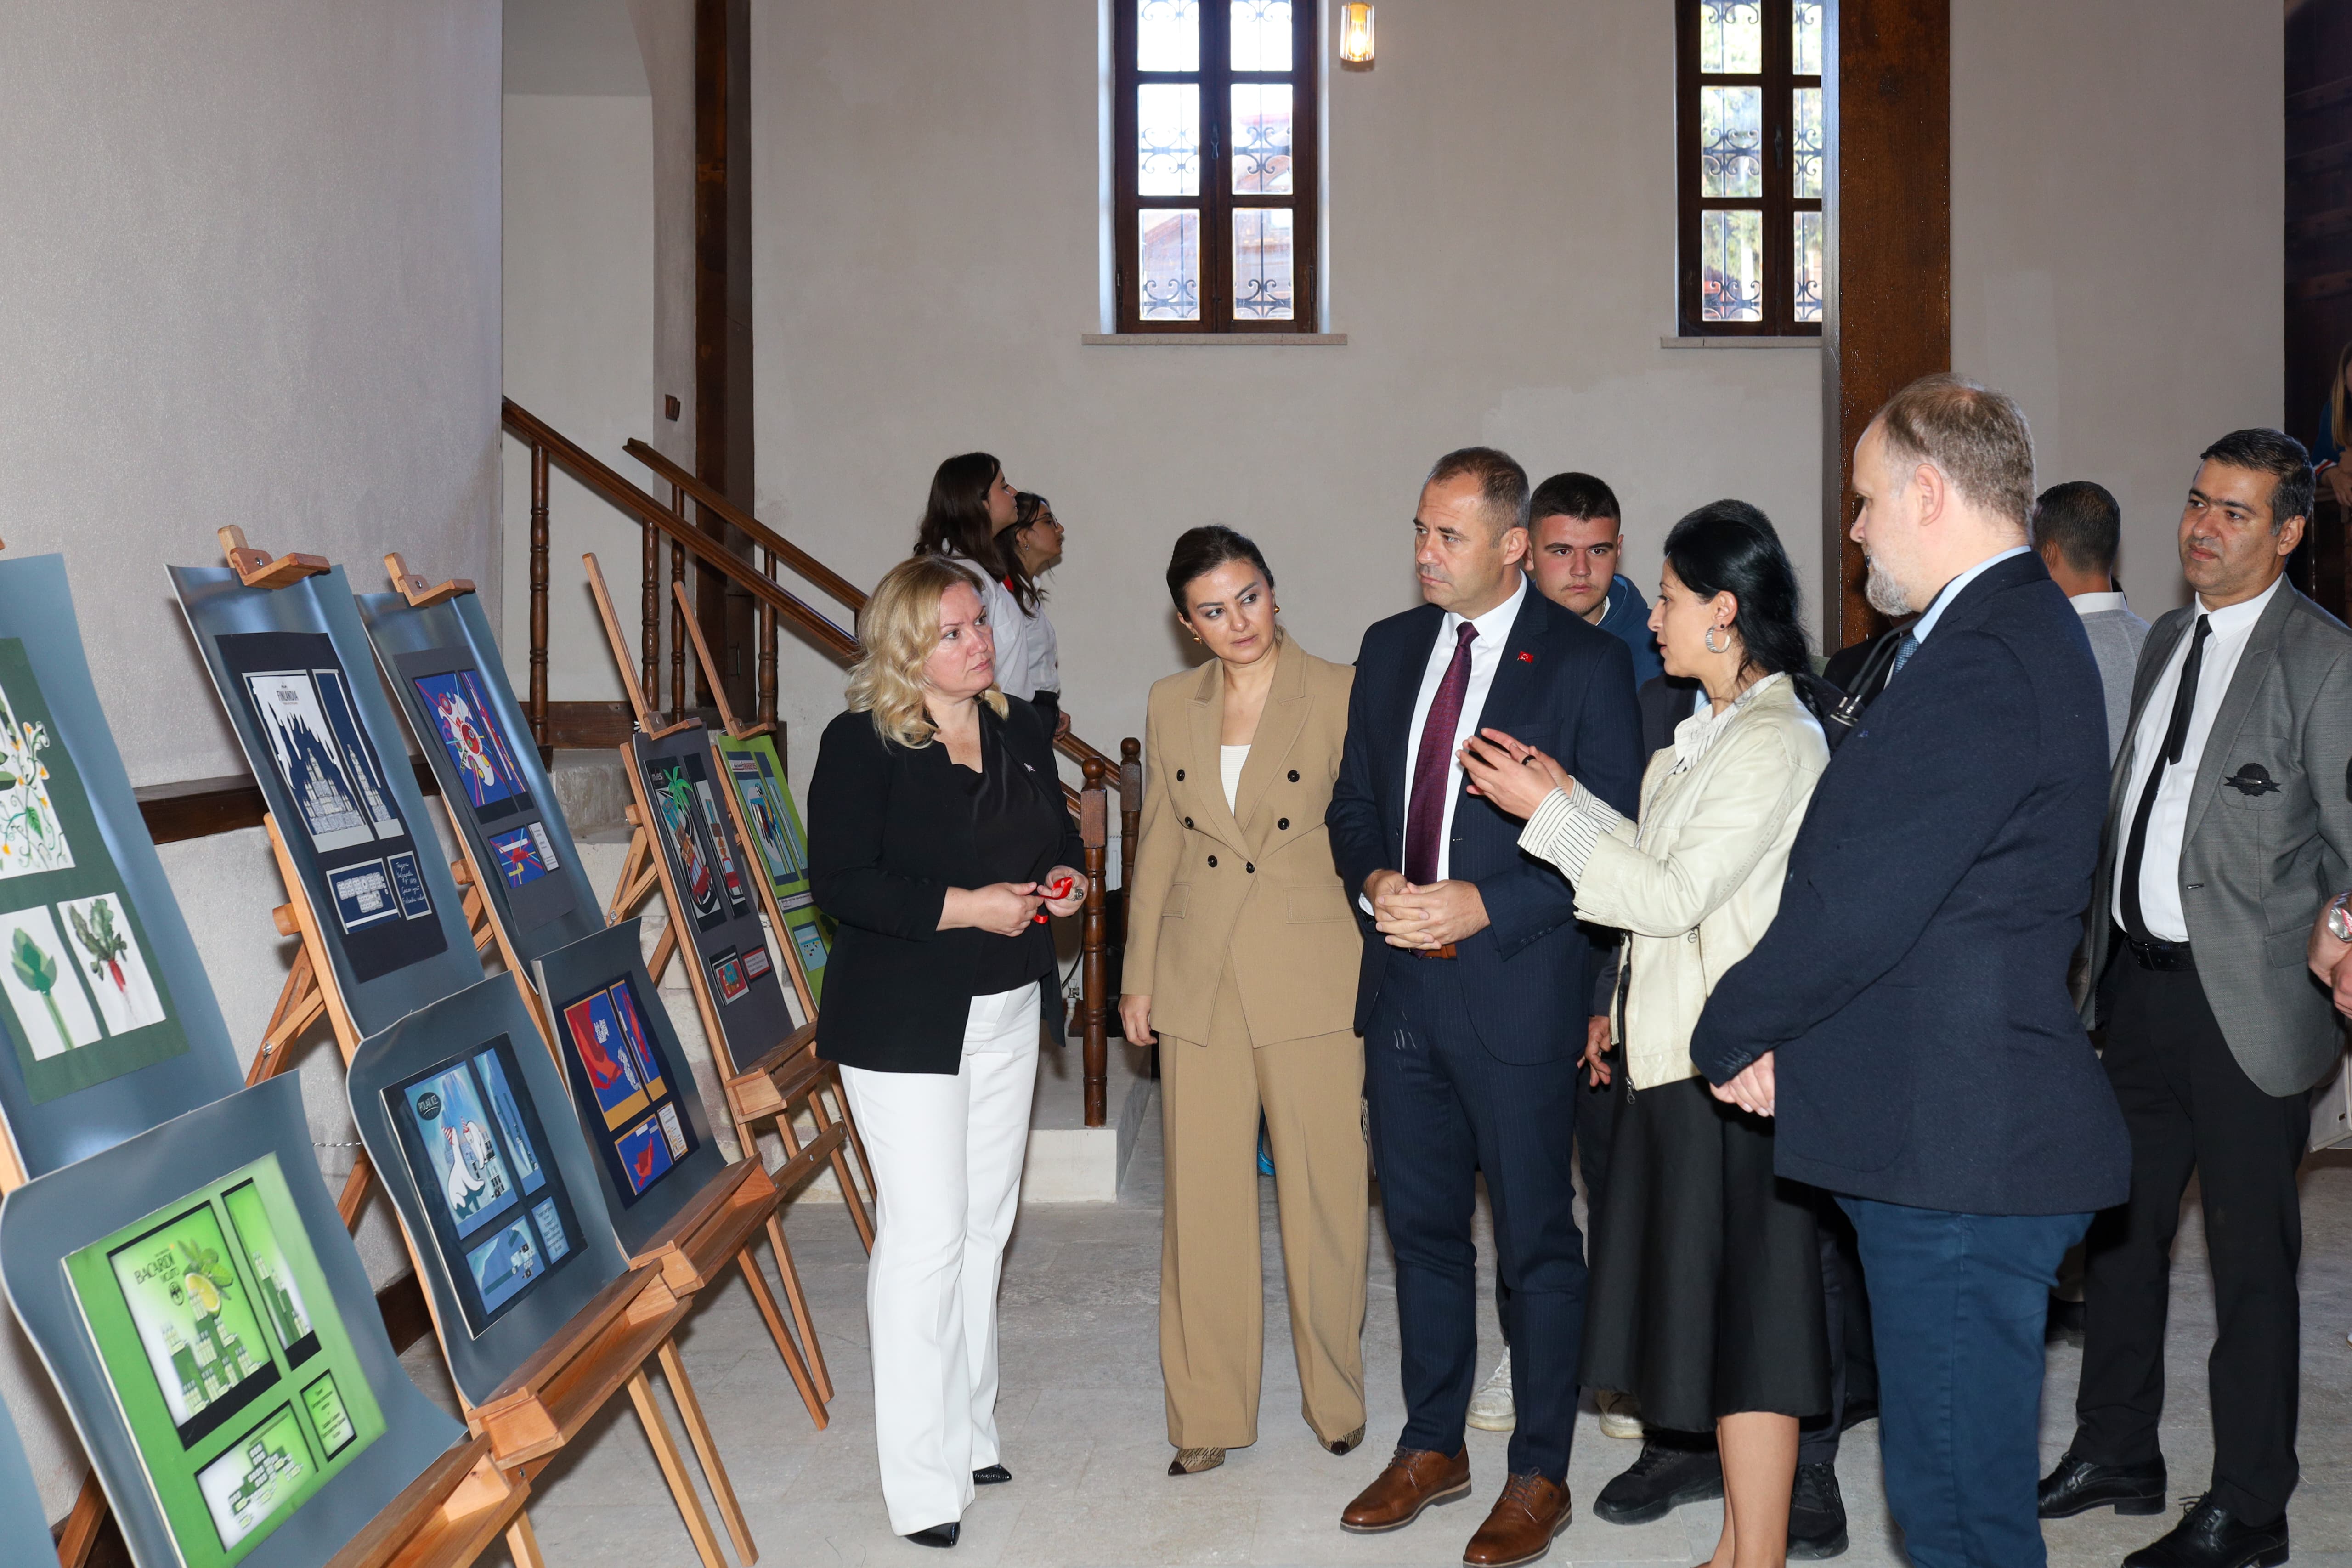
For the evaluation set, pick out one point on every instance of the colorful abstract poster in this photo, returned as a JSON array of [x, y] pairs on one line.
[[498, 1211], [756, 774], [467, 727], [77, 997], [469, 1174], [727, 969], [739, 896], [645, 1155], [618, 1064], [522, 856], [201, 1313], [675, 802]]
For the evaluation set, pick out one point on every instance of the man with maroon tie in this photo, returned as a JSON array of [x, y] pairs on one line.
[[1474, 987]]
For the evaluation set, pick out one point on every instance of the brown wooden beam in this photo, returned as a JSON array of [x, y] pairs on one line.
[[198, 808], [1888, 103]]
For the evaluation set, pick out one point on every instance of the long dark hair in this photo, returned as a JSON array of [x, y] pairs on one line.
[[1203, 550], [1729, 546], [955, 519]]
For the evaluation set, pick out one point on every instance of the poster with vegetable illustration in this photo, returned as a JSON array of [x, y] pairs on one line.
[[78, 1001], [231, 1366]]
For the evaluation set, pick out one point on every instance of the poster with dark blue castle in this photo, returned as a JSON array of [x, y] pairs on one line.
[[339, 812]]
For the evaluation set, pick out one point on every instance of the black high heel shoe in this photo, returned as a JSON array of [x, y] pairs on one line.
[[990, 1475], [938, 1535]]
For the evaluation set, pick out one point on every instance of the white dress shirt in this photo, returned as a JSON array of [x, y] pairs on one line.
[[1951, 589], [2097, 603], [2159, 865], [1485, 657], [1009, 627]]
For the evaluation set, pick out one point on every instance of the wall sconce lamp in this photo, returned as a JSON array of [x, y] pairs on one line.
[[1356, 35]]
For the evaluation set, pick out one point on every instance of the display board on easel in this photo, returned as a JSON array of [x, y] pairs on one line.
[[216, 1340], [539, 1313], [772, 824], [442, 663], [296, 673], [109, 1019]]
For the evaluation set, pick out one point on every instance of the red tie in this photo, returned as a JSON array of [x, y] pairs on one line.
[[1432, 769]]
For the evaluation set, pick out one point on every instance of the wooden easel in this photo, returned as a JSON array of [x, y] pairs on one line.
[[788, 1075], [586, 1356], [722, 1225]]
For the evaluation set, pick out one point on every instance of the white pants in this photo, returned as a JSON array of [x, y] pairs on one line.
[[947, 1156]]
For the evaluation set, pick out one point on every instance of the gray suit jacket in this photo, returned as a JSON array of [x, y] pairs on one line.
[[2116, 639], [2269, 837]]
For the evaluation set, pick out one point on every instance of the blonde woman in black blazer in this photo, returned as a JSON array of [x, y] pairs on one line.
[[937, 835], [1244, 953]]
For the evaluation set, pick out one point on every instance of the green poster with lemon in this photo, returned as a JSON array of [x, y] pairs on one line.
[[228, 1360], [756, 774]]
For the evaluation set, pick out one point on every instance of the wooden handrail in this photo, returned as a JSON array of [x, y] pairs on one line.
[[611, 487]]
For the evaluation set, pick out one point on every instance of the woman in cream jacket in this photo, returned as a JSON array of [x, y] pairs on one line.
[[1707, 1294], [1243, 955]]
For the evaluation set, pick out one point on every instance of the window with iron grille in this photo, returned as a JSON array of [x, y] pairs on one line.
[[1752, 154], [1214, 128]]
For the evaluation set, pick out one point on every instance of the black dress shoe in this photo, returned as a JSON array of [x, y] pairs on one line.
[[2208, 1537], [1816, 1515], [2066, 1323], [990, 1475], [2078, 1486], [1665, 1476], [938, 1535]]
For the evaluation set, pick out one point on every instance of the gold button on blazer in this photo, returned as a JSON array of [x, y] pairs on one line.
[[1254, 886]]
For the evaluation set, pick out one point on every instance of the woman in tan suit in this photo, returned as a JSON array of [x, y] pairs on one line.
[[1240, 935]]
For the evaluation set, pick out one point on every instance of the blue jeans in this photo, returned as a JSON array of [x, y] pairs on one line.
[[1957, 1304]]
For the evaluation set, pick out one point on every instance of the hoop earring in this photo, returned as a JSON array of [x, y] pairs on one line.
[[1709, 640]]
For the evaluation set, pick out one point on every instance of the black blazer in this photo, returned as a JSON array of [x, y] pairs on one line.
[[890, 833], [1564, 686], [1914, 984]]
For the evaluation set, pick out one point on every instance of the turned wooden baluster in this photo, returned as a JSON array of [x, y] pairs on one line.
[[538, 593], [1093, 811]]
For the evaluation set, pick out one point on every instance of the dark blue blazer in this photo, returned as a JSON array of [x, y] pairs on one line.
[[1914, 984], [1564, 686]]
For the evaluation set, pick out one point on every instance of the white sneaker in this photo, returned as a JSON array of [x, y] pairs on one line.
[[1490, 1407], [1620, 1416]]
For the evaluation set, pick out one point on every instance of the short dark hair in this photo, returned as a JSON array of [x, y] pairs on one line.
[[2272, 452], [1502, 483], [1729, 546], [2081, 522], [1203, 550], [1573, 495], [1977, 437]]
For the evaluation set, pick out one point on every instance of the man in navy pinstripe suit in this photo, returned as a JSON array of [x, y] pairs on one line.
[[1474, 987]]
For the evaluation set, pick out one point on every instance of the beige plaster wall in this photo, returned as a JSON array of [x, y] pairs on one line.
[[252, 261], [2118, 250]]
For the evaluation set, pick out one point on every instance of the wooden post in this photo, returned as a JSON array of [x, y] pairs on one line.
[[1887, 314], [649, 617], [539, 593], [678, 618], [768, 648], [1130, 808], [1092, 810]]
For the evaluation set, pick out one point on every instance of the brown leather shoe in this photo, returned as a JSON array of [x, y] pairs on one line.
[[1415, 1478], [1520, 1528]]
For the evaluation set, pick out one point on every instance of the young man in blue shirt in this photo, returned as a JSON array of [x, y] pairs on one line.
[[1575, 531]]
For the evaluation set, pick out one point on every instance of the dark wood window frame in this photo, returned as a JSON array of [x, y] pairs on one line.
[[1217, 202], [1778, 205]]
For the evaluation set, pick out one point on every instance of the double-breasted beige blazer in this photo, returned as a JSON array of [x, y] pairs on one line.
[[1253, 887]]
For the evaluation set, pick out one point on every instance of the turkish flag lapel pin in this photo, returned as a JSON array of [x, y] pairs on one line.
[[1525, 658]]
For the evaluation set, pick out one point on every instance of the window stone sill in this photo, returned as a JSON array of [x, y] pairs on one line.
[[1215, 340], [1671, 342]]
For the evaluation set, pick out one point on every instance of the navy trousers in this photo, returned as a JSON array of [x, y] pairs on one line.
[[1443, 1110], [1957, 1304]]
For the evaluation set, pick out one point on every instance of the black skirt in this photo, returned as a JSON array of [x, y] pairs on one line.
[[1706, 1275]]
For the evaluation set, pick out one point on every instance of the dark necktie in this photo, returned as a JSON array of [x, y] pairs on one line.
[[1903, 652], [2176, 740], [1433, 768]]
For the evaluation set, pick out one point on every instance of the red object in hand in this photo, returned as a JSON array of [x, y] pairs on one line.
[[1060, 889]]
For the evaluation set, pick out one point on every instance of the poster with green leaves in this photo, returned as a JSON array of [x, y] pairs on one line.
[[756, 774], [77, 997], [227, 1359]]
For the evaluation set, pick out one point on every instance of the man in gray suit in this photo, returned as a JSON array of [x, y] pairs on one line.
[[2078, 527], [2228, 824]]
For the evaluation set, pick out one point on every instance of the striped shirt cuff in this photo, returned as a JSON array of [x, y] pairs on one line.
[[1567, 825]]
